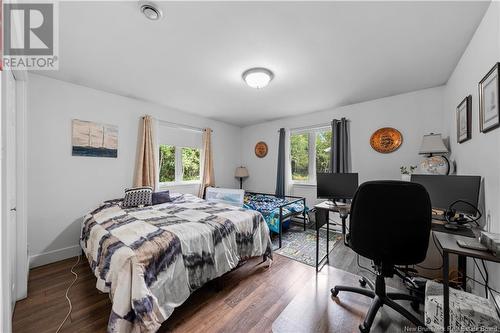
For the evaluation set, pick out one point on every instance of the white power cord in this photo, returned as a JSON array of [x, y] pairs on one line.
[[67, 297]]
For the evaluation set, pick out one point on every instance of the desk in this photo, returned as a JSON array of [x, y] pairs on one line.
[[322, 216], [461, 262], [448, 244]]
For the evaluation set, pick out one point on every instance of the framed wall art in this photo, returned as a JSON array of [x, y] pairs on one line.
[[489, 101], [94, 139], [464, 114]]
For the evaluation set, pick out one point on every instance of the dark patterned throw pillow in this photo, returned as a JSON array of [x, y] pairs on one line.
[[137, 197], [161, 197]]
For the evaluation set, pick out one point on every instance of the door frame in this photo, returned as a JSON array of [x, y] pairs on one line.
[[6, 309], [22, 255], [5, 263], [21, 274]]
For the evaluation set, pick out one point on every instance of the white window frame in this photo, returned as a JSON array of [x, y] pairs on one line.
[[179, 172], [311, 181]]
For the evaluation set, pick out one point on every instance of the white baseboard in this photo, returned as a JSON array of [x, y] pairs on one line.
[[54, 255]]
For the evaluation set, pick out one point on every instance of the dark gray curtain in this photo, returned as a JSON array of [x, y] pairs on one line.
[[339, 154], [280, 176]]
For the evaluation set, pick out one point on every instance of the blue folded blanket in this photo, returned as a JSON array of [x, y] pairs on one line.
[[268, 206]]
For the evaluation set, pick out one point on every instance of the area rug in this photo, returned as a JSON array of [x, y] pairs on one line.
[[300, 245]]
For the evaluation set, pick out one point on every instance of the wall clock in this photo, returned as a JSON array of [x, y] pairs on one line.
[[386, 140], [261, 149]]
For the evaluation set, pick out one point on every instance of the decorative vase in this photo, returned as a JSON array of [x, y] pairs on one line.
[[405, 177], [435, 165]]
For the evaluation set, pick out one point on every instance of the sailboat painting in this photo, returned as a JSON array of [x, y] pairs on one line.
[[94, 139]]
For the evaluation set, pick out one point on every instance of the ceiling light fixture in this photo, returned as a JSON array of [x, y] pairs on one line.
[[257, 77], [151, 11]]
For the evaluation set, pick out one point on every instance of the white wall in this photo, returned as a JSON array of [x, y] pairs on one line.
[[62, 188], [413, 114], [481, 154]]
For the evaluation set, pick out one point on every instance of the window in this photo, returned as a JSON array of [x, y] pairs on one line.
[[299, 151], [179, 164], [167, 163], [310, 151], [190, 164], [323, 148]]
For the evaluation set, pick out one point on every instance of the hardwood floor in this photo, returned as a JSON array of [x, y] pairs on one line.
[[251, 299], [315, 310], [46, 305], [344, 258]]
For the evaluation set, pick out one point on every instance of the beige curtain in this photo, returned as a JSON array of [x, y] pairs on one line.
[[146, 171], [207, 173]]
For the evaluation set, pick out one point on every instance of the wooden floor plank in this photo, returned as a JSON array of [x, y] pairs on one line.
[[252, 298], [313, 309]]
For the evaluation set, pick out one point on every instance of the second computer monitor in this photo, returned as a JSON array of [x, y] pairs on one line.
[[336, 186], [445, 190]]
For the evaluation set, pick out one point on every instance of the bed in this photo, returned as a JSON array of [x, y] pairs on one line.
[[277, 211], [151, 259]]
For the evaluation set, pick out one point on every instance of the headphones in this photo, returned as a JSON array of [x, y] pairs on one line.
[[461, 219]]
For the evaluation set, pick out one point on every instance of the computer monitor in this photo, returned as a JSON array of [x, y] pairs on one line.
[[336, 186], [446, 189]]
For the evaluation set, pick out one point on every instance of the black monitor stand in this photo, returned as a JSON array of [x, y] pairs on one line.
[[339, 208], [333, 203]]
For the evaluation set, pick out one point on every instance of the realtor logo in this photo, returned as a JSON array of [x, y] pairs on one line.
[[30, 36]]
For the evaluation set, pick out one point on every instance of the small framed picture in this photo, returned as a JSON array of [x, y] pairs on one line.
[[489, 101], [464, 111]]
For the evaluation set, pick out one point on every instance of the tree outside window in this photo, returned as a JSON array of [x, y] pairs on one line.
[[300, 156], [179, 164], [323, 148], [310, 151], [167, 163], [190, 164]]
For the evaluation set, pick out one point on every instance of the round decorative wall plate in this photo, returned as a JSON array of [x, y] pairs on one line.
[[261, 149], [386, 140]]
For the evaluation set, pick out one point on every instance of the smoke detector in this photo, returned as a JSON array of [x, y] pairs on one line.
[[151, 11]]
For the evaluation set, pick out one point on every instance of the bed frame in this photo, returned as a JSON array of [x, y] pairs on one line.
[[289, 215]]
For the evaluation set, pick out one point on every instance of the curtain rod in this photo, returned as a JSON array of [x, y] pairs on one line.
[[311, 127], [181, 126]]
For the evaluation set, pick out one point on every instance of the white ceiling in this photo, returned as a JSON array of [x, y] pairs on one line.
[[323, 54]]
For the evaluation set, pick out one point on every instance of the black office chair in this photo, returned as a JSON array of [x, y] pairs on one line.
[[390, 223]]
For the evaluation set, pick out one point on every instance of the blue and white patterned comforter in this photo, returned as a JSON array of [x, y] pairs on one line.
[[150, 259]]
